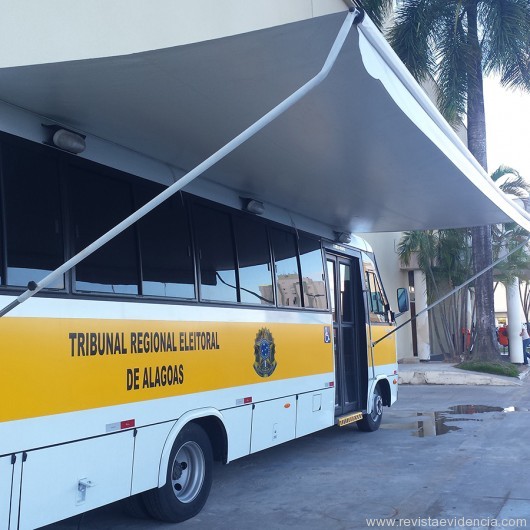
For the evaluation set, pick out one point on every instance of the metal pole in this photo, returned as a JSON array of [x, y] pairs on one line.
[[353, 15]]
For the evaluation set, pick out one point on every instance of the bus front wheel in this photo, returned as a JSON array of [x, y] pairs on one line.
[[372, 421], [189, 478]]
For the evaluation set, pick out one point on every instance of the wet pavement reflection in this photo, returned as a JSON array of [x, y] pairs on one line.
[[427, 424]]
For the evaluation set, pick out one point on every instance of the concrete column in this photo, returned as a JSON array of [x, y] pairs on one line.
[[422, 322], [513, 304]]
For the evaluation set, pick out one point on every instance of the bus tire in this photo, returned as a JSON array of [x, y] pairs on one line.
[[372, 421], [134, 506], [188, 480]]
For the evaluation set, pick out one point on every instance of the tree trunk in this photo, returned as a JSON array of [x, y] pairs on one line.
[[486, 347], [525, 301]]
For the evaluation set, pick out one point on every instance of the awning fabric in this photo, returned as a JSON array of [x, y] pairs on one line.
[[364, 152]]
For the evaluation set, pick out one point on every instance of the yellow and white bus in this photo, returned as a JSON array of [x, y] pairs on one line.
[[203, 332]]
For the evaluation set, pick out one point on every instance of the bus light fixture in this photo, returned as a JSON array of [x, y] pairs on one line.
[[343, 237], [253, 206], [65, 139]]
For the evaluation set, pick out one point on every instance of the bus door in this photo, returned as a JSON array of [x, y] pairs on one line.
[[348, 327]]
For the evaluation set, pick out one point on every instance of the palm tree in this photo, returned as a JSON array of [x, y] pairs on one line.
[[444, 257], [457, 42]]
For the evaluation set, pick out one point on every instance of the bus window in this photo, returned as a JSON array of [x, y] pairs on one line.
[[165, 247], [346, 292], [286, 265], [98, 203], [253, 254], [34, 228], [376, 295], [216, 254], [332, 278], [313, 284]]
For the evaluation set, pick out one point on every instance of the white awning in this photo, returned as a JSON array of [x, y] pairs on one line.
[[365, 151]]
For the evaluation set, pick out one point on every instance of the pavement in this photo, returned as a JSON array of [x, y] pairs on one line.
[[442, 373], [445, 456]]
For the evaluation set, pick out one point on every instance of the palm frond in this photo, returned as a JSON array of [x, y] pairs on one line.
[[377, 10], [412, 33], [452, 56], [506, 42], [502, 171], [514, 184]]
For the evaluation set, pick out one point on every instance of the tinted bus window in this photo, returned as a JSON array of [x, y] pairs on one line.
[[255, 278], [375, 292], [286, 265], [311, 264], [98, 203], [165, 247], [215, 247], [34, 229]]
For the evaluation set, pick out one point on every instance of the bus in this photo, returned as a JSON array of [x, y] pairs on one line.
[[214, 327]]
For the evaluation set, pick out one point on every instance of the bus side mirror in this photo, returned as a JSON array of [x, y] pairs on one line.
[[403, 300]]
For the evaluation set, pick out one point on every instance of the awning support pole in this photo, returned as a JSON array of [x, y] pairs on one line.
[[354, 15], [455, 290]]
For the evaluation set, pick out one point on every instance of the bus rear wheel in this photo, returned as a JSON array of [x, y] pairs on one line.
[[188, 480], [372, 421]]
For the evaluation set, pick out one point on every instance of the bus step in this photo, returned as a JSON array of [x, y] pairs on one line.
[[349, 418]]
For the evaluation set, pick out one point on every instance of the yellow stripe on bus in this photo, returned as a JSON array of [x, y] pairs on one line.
[[51, 366]]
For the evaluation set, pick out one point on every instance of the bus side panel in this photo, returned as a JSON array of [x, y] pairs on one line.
[[6, 478], [273, 422], [384, 353], [52, 477], [148, 446], [315, 411], [238, 423]]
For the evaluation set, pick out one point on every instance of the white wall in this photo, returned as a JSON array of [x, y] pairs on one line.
[[35, 32]]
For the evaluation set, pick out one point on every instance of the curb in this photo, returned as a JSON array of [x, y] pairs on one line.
[[524, 375], [419, 377]]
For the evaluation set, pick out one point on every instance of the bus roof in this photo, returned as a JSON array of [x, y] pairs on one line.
[[366, 151]]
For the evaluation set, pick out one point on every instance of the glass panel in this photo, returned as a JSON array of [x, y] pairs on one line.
[[332, 282], [346, 293], [338, 367], [167, 265], [348, 345], [216, 254], [375, 292], [376, 296], [286, 264], [98, 203], [33, 217], [255, 278], [313, 285]]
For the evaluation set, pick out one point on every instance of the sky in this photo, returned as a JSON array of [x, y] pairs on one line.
[[508, 137], [508, 127]]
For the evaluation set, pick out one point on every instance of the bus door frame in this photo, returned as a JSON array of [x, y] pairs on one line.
[[337, 254]]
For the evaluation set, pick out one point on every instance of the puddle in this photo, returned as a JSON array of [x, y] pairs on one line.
[[474, 409], [434, 424], [479, 409], [427, 424]]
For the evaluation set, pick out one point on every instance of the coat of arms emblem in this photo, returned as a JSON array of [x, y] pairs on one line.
[[264, 350]]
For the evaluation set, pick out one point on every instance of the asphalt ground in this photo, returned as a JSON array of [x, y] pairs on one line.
[[453, 456]]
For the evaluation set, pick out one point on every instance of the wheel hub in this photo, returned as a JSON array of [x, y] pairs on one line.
[[378, 406], [187, 474]]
